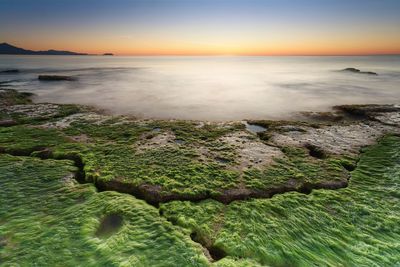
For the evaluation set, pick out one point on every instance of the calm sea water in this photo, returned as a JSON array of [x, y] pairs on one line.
[[208, 88]]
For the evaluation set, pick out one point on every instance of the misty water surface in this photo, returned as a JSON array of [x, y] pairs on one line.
[[208, 88]]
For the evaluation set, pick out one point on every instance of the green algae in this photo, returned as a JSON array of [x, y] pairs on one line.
[[125, 131], [108, 131], [192, 132], [355, 226], [175, 169], [299, 169], [23, 140], [195, 164], [18, 108], [178, 171], [47, 219], [10, 97]]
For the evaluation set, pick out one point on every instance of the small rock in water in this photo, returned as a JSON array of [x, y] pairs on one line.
[[369, 72], [56, 78], [10, 71], [354, 70]]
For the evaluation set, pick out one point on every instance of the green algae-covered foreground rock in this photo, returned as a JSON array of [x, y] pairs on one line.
[[48, 219]]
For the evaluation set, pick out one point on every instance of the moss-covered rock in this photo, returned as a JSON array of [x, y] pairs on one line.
[[48, 219], [220, 167], [9, 97], [161, 161], [355, 226]]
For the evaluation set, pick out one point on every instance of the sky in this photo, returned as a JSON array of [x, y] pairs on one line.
[[204, 27]]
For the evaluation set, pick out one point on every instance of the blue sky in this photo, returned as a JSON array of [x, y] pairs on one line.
[[204, 26]]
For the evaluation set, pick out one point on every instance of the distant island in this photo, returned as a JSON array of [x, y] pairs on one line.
[[108, 54], [6, 48]]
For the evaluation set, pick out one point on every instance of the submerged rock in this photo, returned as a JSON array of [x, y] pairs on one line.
[[10, 71], [369, 72], [56, 78], [351, 70], [354, 70]]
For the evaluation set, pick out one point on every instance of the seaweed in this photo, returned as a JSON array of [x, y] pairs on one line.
[[354, 226]]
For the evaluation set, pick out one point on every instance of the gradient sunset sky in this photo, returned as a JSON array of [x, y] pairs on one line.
[[204, 27]]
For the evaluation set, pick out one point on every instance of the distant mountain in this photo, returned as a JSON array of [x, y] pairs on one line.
[[13, 50]]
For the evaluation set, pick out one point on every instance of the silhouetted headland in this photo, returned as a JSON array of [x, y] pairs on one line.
[[6, 48]]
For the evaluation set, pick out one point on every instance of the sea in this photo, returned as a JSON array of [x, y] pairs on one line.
[[213, 88]]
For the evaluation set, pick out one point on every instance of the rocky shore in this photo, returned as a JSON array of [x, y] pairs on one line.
[[165, 162], [199, 160]]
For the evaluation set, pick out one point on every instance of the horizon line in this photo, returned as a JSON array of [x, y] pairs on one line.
[[256, 55], [219, 55], [215, 54]]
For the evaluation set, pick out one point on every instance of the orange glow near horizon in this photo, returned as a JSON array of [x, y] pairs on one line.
[[272, 44], [241, 49]]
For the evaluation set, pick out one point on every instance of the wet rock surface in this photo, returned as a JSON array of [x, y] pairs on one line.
[[56, 78], [251, 151]]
